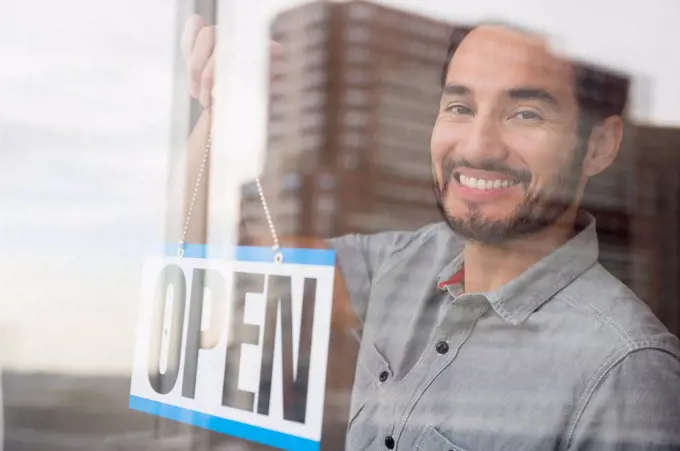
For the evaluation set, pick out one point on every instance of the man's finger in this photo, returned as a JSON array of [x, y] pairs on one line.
[[192, 27], [203, 49], [275, 50], [207, 83]]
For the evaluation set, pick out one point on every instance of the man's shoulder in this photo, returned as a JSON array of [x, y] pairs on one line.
[[392, 242], [616, 315], [418, 253], [417, 241], [364, 259]]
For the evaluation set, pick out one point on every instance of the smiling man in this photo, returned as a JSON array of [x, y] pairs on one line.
[[509, 156], [497, 329], [507, 334]]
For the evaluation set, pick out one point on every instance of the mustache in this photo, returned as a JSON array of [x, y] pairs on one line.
[[450, 166]]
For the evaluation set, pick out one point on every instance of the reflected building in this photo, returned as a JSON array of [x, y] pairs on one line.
[[351, 111], [655, 270], [636, 203]]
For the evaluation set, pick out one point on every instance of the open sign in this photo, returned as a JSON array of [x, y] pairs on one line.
[[237, 345]]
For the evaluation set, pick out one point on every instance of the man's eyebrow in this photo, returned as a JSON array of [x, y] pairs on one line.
[[457, 90], [531, 93]]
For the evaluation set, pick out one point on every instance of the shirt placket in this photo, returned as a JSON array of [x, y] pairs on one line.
[[440, 352]]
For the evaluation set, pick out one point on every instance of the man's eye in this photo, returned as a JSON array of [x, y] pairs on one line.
[[459, 109], [527, 115]]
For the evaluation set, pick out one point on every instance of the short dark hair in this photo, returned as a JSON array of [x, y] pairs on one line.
[[599, 93]]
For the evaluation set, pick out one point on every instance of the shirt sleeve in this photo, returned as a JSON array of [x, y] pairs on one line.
[[635, 407], [360, 258]]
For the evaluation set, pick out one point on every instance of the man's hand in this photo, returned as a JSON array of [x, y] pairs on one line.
[[198, 45], [198, 48]]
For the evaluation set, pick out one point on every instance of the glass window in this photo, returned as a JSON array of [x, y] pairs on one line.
[[355, 97], [167, 279], [315, 35], [354, 139], [311, 141], [326, 181], [291, 182], [354, 118], [313, 99], [361, 11], [325, 204], [358, 55], [316, 57], [312, 120], [350, 160], [314, 78], [357, 76], [358, 34]]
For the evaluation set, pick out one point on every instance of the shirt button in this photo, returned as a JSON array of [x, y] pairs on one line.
[[442, 347], [389, 442], [383, 376]]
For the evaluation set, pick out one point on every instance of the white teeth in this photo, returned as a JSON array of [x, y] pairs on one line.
[[482, 184]]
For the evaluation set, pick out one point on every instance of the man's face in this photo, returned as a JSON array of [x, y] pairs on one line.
[[506, 157]]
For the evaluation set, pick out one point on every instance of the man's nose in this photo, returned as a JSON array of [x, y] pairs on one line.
[[483, 140]]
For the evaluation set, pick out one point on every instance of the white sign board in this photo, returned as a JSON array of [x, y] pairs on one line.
[[238, 345]]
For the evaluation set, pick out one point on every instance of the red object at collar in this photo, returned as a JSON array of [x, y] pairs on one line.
[[457, 278]]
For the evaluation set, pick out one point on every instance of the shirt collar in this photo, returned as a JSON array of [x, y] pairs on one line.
[[519, 298]]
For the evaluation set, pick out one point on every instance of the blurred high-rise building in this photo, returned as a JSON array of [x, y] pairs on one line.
[[351, 110], [655, 270]]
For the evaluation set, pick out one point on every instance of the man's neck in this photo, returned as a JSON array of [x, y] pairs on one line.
[[489, 267]]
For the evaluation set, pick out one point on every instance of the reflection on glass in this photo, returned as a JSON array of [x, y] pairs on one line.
[[354, 94]]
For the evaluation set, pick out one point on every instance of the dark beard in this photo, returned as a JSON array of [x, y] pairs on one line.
[[535, 212]]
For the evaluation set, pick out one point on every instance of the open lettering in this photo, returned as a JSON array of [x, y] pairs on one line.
[[171, 297], [237, 346]]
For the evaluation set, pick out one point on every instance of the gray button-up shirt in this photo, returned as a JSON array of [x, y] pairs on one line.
[[563, 357]]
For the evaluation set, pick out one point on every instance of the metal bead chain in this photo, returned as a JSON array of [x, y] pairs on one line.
[[278, 256], [190, 211]]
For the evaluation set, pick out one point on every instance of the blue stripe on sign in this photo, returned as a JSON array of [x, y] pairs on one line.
[[268, 437], [318, 257]]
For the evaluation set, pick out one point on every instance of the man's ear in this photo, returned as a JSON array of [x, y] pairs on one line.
[[603, 145]]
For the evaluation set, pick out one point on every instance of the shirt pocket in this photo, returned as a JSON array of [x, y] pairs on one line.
[[370, 365], [431, 440]]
